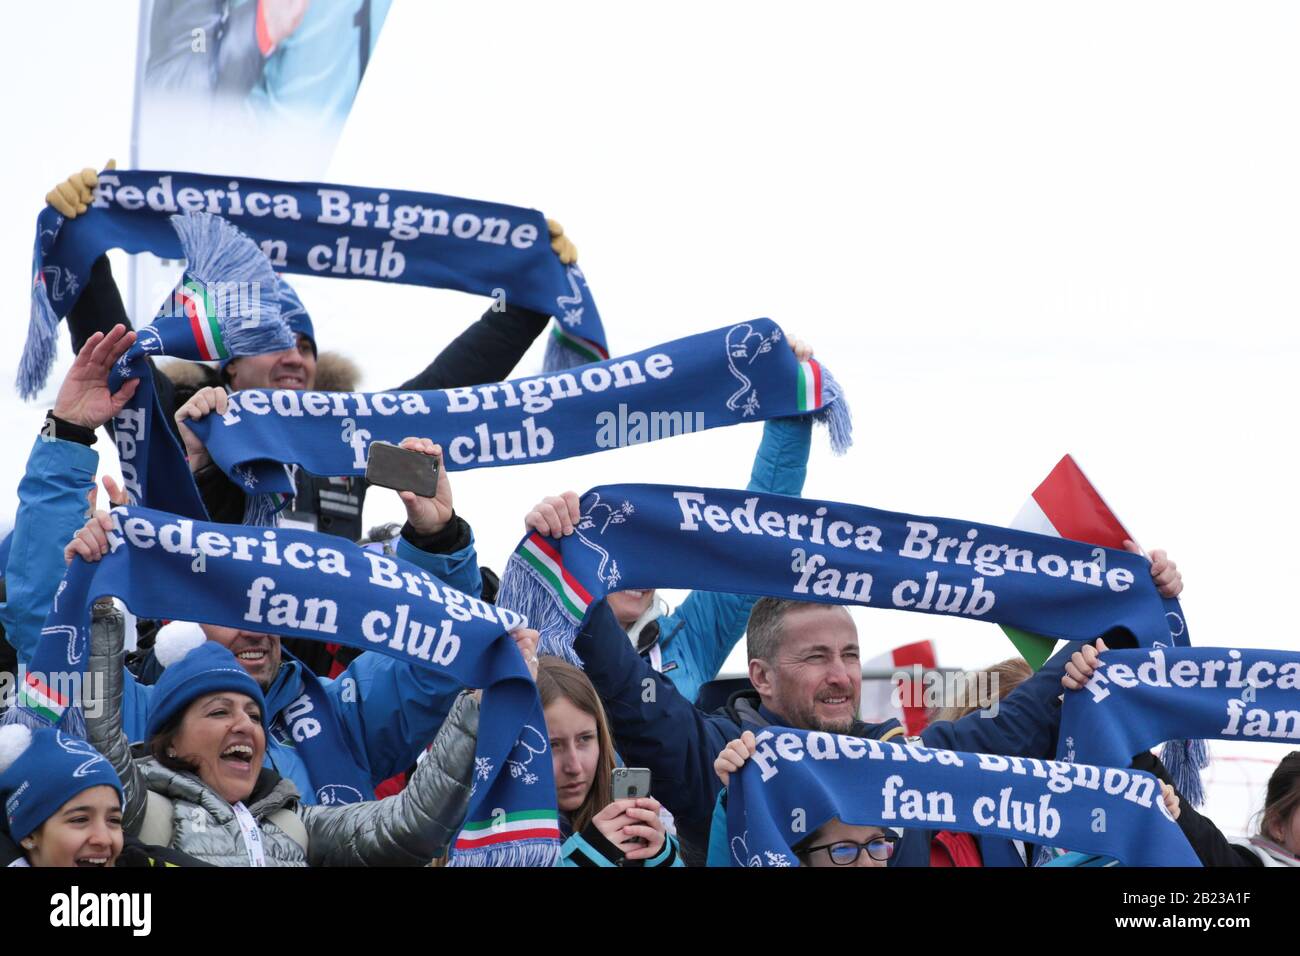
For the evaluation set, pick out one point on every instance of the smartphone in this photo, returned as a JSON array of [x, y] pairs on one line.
[[631, 782], [390, 466]]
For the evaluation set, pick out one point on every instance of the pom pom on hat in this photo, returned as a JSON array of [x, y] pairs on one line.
[[14, 739], [176, 639]]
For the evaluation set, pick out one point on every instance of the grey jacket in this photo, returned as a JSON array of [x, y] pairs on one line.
[[408, 829]]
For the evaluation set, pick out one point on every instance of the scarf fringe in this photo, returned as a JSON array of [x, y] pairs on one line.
[[42, 343], [835, 414], [527, 853], [72, 722], [263, 511], [523, 590], [217, 252], [1185, 759], [559, 357]]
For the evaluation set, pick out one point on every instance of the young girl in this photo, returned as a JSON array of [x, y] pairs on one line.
[[62, 801], [604, 832]]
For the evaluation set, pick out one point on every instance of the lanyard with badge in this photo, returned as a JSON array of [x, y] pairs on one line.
[[252, 835]]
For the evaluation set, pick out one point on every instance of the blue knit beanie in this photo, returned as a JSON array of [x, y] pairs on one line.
[[41, 770], [293, 312], [195, 667]]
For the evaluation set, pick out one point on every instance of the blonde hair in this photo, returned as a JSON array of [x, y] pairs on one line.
[[1006, 676]]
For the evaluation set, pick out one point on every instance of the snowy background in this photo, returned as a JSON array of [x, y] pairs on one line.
[[1012, 230]]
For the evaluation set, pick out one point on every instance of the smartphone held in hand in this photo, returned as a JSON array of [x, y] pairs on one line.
[[630, 783], [391, 466]]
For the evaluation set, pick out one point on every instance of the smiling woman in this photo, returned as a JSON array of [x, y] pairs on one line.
[[203, 788]]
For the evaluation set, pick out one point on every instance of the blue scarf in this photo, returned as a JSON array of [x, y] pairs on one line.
[[388, 235], [226, 305], [1138, 698], [315, 731], [304, 584], [740, 373], [799, 780], [665, 536]]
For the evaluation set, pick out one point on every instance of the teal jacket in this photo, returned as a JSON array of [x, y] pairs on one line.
[[590, 848], [389, 710], [695, 639]]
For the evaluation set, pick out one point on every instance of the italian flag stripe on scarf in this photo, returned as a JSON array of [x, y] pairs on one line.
[[810, 386], [39, 697], [571, 595], [585, 349], [1064, 505], [521, 825], [199, 309]]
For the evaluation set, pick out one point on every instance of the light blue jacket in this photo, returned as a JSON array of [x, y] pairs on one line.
[[389, 710], [697, 637]]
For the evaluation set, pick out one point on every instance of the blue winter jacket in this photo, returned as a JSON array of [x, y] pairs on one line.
[[389, 710], [697, 637], [654, 726]]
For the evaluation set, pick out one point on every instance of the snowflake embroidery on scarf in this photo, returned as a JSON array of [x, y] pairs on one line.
[[776, 859], [245, 474], [482, 768], [1069, 749]]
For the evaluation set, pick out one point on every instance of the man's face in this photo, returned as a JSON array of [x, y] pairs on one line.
[[815, 680], [293, 368], [259, 654]]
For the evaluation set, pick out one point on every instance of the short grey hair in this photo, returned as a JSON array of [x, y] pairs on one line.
[[766, 625]]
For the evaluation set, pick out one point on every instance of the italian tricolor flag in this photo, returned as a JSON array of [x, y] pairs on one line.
[[810, 386], [878, 703], [1065, 505], [509, 828], [571, 596], [199, 308]]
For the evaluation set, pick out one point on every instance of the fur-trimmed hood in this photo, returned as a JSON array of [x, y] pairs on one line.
[[335, 372]]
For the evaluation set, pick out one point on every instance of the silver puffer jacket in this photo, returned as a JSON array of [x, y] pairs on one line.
[[408, 829]]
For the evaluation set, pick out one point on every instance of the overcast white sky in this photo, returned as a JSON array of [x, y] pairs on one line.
[[1012, 230]]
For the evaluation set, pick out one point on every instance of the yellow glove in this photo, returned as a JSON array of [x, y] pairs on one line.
[[562, 244], [72, 197]]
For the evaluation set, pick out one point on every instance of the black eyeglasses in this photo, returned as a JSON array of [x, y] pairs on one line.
[[846, 852]]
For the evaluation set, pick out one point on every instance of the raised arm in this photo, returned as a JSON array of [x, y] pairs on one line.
[[102, 700], [1027, 719], [414, 826], [653, 724], [53, 494], [702, 631]]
